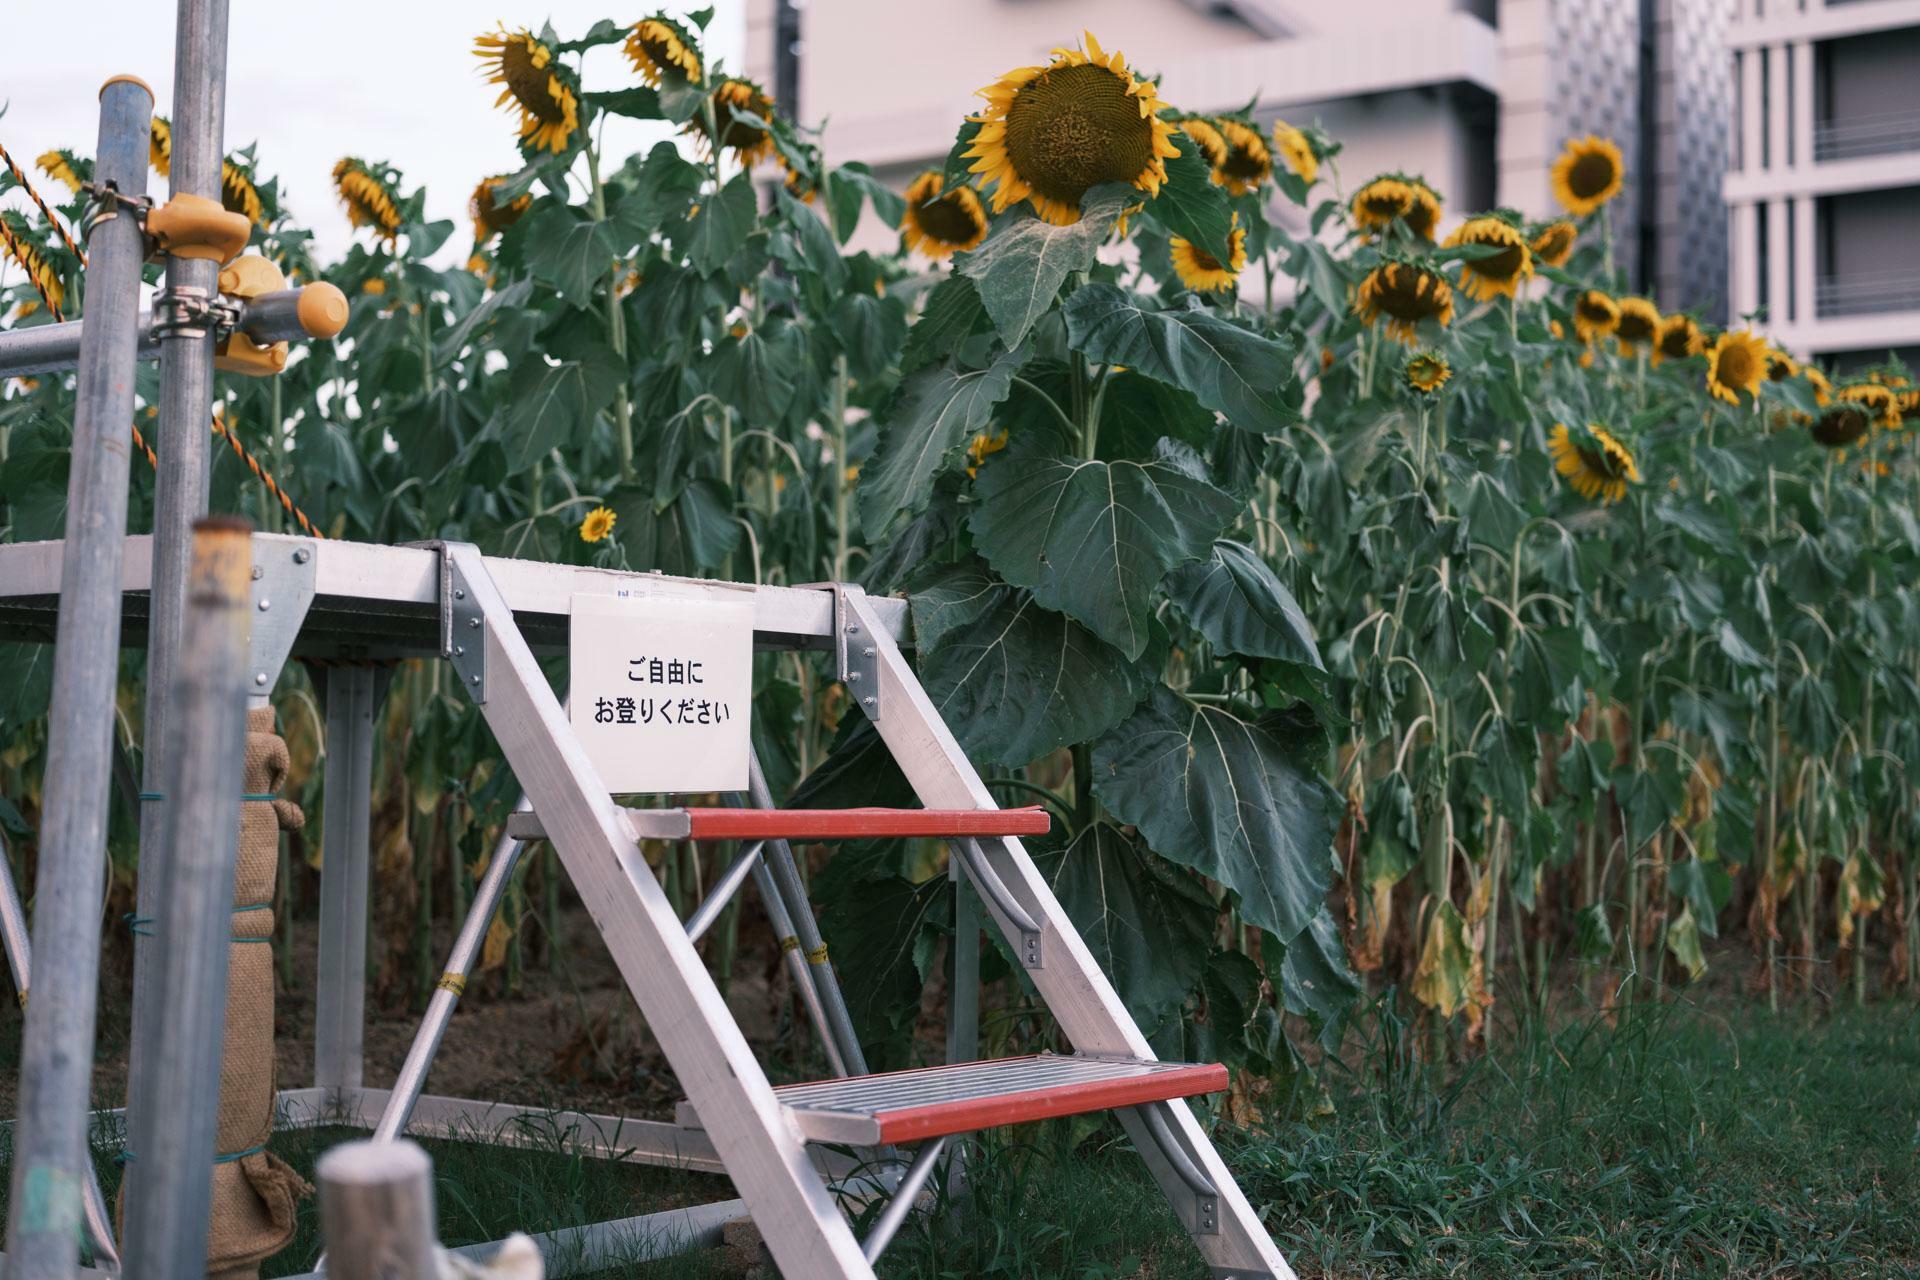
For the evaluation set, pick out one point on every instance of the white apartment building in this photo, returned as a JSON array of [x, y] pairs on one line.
[[1475, 95], [1823, 189]]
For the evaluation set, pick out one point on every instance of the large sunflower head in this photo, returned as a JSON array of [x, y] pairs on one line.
[[490, 215], [1050, 134], [1881, 402], [1200, 271], [67, 169], [1595, 463], [1297, 149], [368, 197], [1206, 139], [1840, 425], [1595, 315], [1424, 218], [1736, 364], [1427, 372], [239, 195], [533, 84], [939, 222], [1248, 164], [160, 146], [1639, 325], [1500, 273], [733, 99], [1379, 202], [1553, 243], [1678, 338], [1405, 293], [1781, 367], [22, 247], [661, 49], [1588, 173]]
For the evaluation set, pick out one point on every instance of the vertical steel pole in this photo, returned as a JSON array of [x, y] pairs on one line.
[[56, 1058], [180, 487], [170, 1172], [340, 982], [376, 1211]]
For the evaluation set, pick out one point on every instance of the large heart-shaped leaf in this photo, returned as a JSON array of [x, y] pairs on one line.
[[934, 413], [896, 928], [1021, 265], [1221, 795], [721, 226], [952, 311], [570, 253], [690, 535], [1148, 925], [1093, 539], [1235, 601], [1011, 679], [1231, 370], [551, 406], [1315, 978], [754, 376]]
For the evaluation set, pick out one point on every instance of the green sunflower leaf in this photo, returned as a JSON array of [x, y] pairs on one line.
[[1230, 370], [1223, 795], [721, 226], [1025, 259], [851, 182], [753, 375], [1191, 205], [1148, 925], [1015, 681], [932, 415], [1093, 539], [952, 312], [690, 535], [552, 406], [572, 254], [1235, 601]]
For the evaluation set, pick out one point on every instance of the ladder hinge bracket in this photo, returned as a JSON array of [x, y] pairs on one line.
[[463, 631], [282, 592], [856, 655]]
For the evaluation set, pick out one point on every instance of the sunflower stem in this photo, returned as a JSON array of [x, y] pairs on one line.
[[616, 323], [842, 486]]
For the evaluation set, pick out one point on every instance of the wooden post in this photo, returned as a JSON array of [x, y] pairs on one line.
[[376, 1211]]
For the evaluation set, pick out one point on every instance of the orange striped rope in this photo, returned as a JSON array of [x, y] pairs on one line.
[[241, 451]]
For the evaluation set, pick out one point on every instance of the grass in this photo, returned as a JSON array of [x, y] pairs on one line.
[[1666, 1143]]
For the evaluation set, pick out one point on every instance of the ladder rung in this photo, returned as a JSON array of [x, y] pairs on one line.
[[811, 824], [933, 1102]]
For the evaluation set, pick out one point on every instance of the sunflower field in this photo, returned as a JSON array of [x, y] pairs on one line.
[[1375, 592]]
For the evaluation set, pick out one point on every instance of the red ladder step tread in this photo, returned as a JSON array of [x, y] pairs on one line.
[[909, 1106], [859, 824]]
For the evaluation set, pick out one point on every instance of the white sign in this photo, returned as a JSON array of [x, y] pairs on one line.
[[661, 691]]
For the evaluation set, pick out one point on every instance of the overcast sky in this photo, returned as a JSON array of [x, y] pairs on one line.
[[391, 80]]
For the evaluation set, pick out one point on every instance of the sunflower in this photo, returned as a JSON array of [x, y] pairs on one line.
[[750, 143], [1679, 337], [490, 217], [981, 447], [1206, 139], [1822, 388], [1200, 271], [1406, 294], [799, 185], [1428, 372], [1880, 401], [1248, 164], [1595, 316], [1737, 363], [938, 222], [239, 195], [21, 247], [1595, 463], [1379, 202], [369, 200], [1639, 325], [1497, 274], [160, 146], [597, 525], [1781, 366], [1424, 218], [1298, 150], [65, 168], [1050, 133], [549, 111], [1587, 175], [1553, 244], [1840, 425], [660, 47]]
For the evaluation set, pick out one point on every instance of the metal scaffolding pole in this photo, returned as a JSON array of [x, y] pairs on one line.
[[56, 1059], [180, 488], [170, 1148]]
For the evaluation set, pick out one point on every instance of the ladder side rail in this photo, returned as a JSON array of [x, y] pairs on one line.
[[1076, 991], [764, 1154], [352, 697]]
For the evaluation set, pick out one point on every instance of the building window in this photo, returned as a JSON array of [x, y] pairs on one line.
[[1761, 292], [1766, 108], [1792, 310], [1739, 110]]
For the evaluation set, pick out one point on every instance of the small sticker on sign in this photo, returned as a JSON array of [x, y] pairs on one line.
[[661, 691]]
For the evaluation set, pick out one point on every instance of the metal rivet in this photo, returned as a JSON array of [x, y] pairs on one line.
[[301, 555], [459, 593], [459, 651], [853, 629], [853, 677], [867, 701], [474, 679], [474, 623], [265, 604], [258, 573], [259, 677], [867, 652]]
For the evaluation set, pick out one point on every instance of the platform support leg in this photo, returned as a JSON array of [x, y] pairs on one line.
[[1075, 989], [764, 1156], [353, 696]]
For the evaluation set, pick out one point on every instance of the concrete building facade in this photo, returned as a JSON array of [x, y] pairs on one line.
[[1475, 95], [1824, 185]]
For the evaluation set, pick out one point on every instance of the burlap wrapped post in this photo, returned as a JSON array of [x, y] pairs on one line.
[[254, 1192]]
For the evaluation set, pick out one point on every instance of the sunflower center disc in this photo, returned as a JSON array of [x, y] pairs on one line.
[[1075, 127], [1410, 295], [1736, 366], [1590, 175], [1497, 266], [945, 219], [528, 82]]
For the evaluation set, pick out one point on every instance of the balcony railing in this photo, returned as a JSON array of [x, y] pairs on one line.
[[1866, 295], [1875, 135]]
